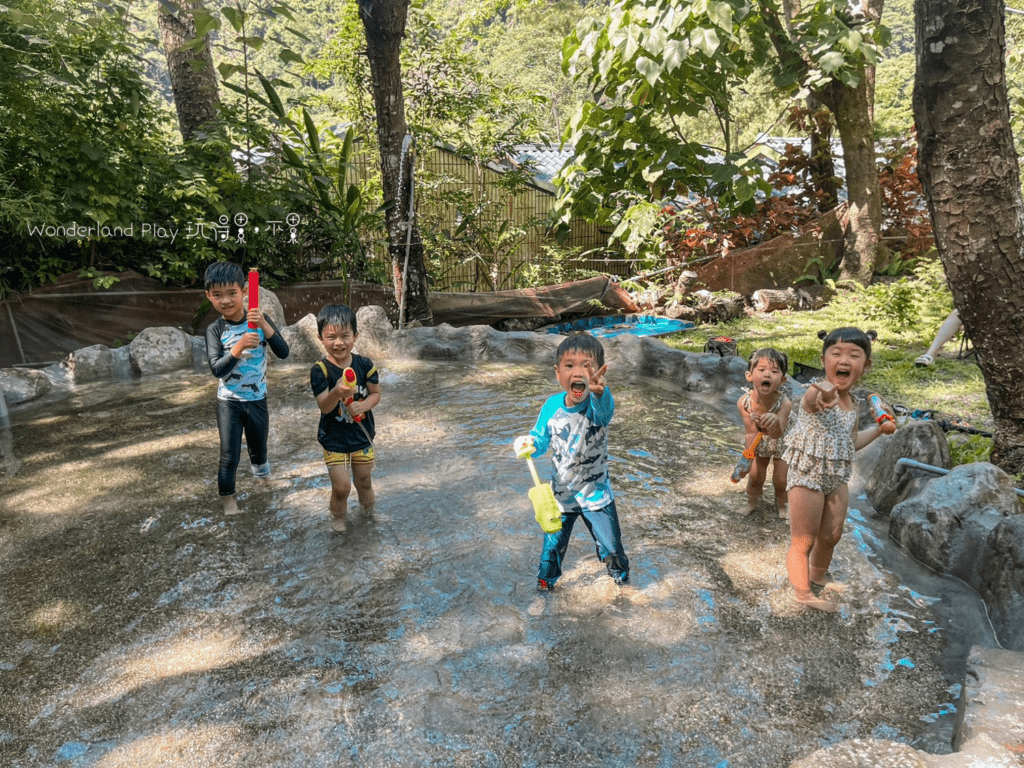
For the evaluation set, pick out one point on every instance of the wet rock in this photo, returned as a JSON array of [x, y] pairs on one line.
[[981, 752], [947, 525], [992, 700], [303, 343], [94, 363], [442, 342], [160, 350], [20, 385], [475, 342], [1002, 584], [692, 371], [887, 483], [864, 753], [271, 307], [374, 332], [200, 364]]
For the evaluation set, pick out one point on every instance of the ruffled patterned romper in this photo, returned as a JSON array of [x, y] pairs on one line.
[[769, 447], [819, 448]]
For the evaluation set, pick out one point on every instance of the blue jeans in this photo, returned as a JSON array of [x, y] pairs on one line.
[[603, 525]]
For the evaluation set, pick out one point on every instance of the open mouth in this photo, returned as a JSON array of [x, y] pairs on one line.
[[578, 389]]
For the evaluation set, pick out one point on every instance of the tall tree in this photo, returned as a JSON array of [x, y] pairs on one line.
[[970, 172], [384, 23], [833, 54], [184, 28]]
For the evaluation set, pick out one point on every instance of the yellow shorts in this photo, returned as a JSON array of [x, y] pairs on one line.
[[364, 456]]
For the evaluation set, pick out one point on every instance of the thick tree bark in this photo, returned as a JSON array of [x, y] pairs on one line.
[[970, 173], [384, 23], [193, 77]]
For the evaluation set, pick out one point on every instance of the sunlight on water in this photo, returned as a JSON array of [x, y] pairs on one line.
[[151, 630]]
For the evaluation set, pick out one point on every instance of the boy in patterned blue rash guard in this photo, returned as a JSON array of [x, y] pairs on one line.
[[574, 424], [237, 356]]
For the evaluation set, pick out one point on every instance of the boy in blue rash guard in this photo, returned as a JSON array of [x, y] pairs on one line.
[[237, 356], [574, 424]]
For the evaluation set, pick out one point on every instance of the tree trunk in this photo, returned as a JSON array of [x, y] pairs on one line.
[[384, 23], [823, 167], [863, 248], [193, 77], [970, 172]]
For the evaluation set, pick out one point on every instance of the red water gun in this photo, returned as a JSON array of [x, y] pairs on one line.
[[254, 294], [350, 380], [886, 423]]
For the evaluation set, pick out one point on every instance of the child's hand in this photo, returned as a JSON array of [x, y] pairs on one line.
[[597, 380], [344, 390], [248, 341], [828, 397], [255, 315], [357, 408], [768, 423], [523, 446]]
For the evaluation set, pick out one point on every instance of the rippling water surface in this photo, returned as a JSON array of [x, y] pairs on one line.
[[143, 628]]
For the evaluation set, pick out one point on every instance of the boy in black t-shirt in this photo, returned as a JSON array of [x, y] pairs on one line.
[[346, 422], [237, 356]]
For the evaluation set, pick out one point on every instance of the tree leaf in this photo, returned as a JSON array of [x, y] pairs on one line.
[[234, 16]]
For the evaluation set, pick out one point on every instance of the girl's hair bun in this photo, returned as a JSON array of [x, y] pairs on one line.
[[822, 334], [871, 334]]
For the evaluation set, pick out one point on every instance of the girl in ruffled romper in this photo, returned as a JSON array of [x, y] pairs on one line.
[[765, 408], [819, 453]]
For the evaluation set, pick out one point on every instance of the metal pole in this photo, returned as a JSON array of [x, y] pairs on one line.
[[911, 464]]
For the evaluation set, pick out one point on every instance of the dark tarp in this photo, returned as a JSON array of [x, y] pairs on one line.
[[43, 326]]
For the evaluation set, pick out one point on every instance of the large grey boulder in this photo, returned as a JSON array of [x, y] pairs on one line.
[[303, 343], [694, 372], [21, 385], [1002, 585], [374, 332], [95, 363], [160, 350], [475, 342], [889, 483], [271, 306], [947, 525], [992, 698]]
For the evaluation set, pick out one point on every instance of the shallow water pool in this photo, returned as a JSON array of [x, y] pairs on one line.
[[142, 627]]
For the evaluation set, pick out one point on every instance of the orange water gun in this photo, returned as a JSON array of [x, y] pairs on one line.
[[746, 460], [886, 423]]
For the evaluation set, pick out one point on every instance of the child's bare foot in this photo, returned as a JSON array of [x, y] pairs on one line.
[[750, 506], [808, 598], [783, 510], [338, 523], [367, 509], [830, 586], [230, 505]]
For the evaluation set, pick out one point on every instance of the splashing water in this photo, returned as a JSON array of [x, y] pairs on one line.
[[142, 627]]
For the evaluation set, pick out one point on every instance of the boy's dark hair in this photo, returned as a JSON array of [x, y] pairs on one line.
[[850, 335], [581, 342], [223, 273], [337, 315], [772, 355]]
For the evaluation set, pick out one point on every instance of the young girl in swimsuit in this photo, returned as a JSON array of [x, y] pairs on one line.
[[819, 453], [766, 409]]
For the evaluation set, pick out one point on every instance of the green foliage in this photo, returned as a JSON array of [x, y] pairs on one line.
[[557, 265], [646, 63], [969, 449]]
